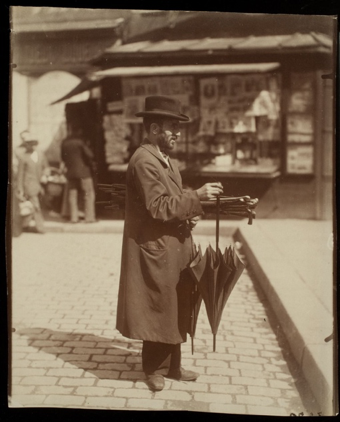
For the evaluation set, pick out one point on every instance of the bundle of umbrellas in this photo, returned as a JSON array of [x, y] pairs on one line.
[[241, 206], [117, 192]]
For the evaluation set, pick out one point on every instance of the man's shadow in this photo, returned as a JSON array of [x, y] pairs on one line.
[[106, 359]]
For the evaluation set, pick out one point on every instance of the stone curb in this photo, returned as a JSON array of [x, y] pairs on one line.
[[304, 320]]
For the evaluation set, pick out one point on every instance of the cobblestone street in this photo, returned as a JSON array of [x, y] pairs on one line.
[[67, 353]]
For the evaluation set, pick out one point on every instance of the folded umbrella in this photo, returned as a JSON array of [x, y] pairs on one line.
[[196, 297], [216, 275]]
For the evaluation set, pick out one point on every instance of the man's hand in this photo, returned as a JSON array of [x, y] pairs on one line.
[[193, 221], [210, 191]]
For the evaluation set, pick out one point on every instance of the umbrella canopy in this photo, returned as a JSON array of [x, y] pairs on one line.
[[216, 275], [196, 297]]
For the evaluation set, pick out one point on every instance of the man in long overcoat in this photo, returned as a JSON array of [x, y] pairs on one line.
[[154, 291]]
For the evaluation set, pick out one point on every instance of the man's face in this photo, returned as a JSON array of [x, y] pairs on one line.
[[169, 133]]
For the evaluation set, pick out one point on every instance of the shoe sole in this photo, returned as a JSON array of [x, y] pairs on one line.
[[181, 379]]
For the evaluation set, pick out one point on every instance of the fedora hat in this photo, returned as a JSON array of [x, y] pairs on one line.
[[158, 105]]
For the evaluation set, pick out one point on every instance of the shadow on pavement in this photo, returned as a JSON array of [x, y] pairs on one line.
[[105, 358]]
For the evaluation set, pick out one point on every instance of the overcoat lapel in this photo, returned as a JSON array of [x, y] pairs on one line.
[[173, 171], [175, 176]]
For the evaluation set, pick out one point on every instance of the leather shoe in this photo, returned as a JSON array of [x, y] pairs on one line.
[[155, 382], [183, 375]]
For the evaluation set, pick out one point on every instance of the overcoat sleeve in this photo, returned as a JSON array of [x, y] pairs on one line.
[[157, 200]]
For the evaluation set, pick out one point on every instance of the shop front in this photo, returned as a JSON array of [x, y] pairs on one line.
[[258, 121]]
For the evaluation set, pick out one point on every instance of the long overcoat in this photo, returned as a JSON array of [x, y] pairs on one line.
[[154, 290]]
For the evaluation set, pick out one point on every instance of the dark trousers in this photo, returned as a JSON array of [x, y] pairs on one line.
[[86, 185], [160, 358]]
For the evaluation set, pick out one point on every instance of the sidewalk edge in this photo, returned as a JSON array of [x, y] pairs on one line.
[[310, 363]]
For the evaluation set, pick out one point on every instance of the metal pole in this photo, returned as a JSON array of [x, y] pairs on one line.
[[217, 221]]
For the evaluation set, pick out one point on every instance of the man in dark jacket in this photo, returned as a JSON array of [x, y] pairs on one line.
[[78, 158], [154, 293]]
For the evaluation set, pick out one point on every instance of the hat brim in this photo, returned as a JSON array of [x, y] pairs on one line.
[[30, 141], [181, 117]]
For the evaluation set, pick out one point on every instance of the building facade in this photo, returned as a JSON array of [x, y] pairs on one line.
[[50, 53], [261, 107], [258, 89]]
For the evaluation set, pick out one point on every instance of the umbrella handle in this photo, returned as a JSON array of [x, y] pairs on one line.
[[217, 221], [250, 218]]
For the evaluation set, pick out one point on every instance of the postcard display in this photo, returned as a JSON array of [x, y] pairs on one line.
[[223, 110], [116, 134], [181, 87], [120, 122], [236, 109], [300, 128]]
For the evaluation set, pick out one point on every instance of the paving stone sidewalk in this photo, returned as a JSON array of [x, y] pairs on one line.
[[67, 353]]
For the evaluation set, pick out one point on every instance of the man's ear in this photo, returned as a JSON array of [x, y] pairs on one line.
[[154, 128]]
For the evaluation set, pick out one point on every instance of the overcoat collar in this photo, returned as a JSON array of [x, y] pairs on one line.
[[173, 173]]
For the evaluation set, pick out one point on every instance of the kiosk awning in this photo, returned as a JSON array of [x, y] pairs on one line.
[[84, 85], [185, 69], [93, 79]]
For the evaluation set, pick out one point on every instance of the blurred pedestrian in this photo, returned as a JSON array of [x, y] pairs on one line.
[[32, 164], [78, 159], [16, 219], [154, 294]]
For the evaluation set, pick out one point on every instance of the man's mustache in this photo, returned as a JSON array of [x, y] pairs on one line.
[[175, 136]]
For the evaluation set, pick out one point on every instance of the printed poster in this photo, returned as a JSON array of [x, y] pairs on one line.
[[300, 137], [235, 85], [301, 101], [300, 123], [301, 81], [207, 125], [133, 105], [300, 159], [152, 86], [254, 83], [208, 92], [114, 106]]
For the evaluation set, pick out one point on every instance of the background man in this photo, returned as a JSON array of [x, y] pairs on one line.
[[154, 291], [78, 160], [32, 164]]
